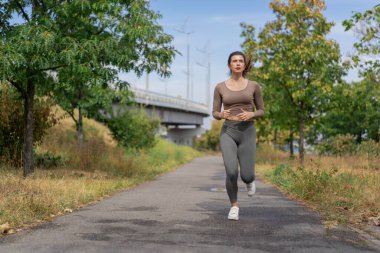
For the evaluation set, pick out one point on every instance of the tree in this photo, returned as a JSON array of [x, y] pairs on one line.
[[12, 127], [298, 62], [368, 49], [354, 111], [134, 128], [57, 39], [132, 42], [277, 108]]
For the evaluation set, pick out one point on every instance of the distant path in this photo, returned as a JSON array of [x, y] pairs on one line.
[[178, 213]]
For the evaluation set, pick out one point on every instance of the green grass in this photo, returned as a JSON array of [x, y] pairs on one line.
[[98, 170], [340, 195]]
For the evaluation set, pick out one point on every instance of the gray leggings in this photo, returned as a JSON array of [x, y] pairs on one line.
[[238, 145]]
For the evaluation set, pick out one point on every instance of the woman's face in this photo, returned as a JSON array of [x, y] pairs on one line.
[[237, 64]]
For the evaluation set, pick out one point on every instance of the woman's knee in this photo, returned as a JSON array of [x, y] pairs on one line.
[[248, 176], [232, 176]]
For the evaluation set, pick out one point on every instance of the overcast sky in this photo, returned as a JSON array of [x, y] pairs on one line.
[[216, 23]]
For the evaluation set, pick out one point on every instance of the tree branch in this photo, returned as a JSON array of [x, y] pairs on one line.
[[290, 96], [18, 87], [55, 5], [52, 68], [102, 29], [22, 11], [71, 113], [43, 5]]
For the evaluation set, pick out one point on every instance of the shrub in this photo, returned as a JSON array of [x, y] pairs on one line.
[[134, 129], [210, 139], [305, 183], [369, 148], [49, 160], [338, 145], [12, 124]]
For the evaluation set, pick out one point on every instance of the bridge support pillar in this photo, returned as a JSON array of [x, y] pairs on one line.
[[182, 135]]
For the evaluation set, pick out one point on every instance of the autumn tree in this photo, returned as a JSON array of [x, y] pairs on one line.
[[298, 62], [277, 106], [89, 40]]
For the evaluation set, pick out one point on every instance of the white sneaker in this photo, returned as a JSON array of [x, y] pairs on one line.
[[251, 188], [234, 213]]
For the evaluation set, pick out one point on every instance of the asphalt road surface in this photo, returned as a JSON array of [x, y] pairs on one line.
[[186, 211]]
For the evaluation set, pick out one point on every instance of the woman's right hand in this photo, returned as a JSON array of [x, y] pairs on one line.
[[225, 114]]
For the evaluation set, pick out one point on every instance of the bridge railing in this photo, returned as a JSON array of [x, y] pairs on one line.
[[158, 99]]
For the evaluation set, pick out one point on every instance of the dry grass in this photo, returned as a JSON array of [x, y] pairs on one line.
[[85, 175], [47, 194], [344, 190]]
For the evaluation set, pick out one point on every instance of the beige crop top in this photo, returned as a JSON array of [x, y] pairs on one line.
[[237, 100]]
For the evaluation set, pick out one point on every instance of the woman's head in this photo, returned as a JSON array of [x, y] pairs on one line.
[[238, 62]]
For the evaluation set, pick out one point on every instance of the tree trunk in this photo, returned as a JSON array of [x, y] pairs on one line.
[[301, 140], [291, 146], [80, 128], [275, 138], [28, 133]]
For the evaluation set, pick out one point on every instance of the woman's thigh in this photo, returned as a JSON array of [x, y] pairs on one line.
[[247, 154], [229, 152]]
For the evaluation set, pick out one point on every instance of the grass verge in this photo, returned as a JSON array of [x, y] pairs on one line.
[[83, 176], [340, 191]]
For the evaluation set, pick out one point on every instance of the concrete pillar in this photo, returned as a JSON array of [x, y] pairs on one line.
[[184, 136]]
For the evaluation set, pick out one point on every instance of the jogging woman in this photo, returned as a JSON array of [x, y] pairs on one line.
[[238, 96]]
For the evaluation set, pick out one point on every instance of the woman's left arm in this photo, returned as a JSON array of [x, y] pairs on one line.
[[259, 103]]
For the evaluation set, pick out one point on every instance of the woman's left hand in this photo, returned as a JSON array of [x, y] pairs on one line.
[[245, 115]]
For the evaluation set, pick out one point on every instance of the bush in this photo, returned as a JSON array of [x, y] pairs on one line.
[[12, 124], [134, 129], [339, 145], [370, 149], [49, 160], [210, 139], [305, 183]]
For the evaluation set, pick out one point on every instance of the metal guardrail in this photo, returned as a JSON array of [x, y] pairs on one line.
[[157, 99]]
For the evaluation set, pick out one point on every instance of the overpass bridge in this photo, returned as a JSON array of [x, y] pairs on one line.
[[182, 119]]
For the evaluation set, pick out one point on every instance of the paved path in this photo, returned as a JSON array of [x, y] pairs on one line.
[[178, 213]]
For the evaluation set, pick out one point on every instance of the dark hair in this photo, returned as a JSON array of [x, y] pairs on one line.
[[247, 61]]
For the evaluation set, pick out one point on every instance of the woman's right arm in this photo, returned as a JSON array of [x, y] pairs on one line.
[[217, 105]]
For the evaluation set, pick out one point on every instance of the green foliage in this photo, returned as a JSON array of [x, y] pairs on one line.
[[366, 25], [12, 125], [370, 149], [74, 51], [354, 109], [344, 196], [306, 184], [49, 160], [134, 129], [138, 44], [298, 64], [345, 145], [339, 145], [210, 139]]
